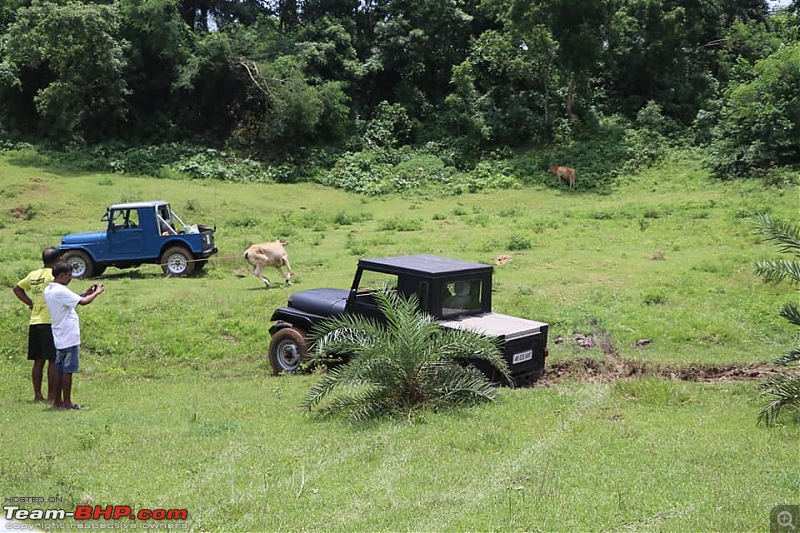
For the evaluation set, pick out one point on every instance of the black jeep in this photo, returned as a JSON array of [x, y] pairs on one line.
[[457, 293]]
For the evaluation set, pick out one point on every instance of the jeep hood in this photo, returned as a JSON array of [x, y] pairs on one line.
[[497, 325], [322, 302], [83, 238]]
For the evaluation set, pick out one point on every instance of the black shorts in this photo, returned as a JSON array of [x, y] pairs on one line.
[[40, 342]]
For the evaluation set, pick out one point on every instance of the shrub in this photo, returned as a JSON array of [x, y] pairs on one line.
[[783, 391], [518, 243], [391, 126], [407, 363], [400, 224]]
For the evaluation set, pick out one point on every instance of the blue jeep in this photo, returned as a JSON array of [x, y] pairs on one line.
[[137, 233]]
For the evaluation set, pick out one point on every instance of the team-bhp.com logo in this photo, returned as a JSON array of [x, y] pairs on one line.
[[97, 512]]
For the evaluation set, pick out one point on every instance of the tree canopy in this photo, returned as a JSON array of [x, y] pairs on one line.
[[276, 78]]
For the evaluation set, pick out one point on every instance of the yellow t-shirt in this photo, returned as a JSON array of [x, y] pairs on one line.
[[33, 284]]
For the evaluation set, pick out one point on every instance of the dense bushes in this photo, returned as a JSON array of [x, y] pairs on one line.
[[760, 123], [383, 171]]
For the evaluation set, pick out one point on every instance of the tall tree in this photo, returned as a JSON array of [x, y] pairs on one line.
[[416, 44], [579, 28], [8, 9], [661, 50], [64, 67], [743, 11], [210, 94], [502, 91], [207, 15], [160, 45], [742, 45]]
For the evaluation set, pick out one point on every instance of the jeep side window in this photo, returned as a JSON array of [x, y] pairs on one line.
[[117, 219], [121, 219], [133, 218], [125, 219], [463, 296]]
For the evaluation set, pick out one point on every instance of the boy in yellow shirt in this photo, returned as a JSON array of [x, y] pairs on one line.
[[30, 291]]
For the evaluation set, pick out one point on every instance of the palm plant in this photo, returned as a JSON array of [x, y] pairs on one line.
[[401, 364], [783, 392]]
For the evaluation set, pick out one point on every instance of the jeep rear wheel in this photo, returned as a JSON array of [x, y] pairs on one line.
[[177, 261], [82, 265], [287, 350]]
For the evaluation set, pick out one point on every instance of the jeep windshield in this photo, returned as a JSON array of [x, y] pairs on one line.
[[372, 282]]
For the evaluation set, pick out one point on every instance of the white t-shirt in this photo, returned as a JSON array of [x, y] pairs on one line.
[[62, 303]]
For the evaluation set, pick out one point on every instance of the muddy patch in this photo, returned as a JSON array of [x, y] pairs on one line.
[[230, 338], [726, 373], [23, 212], [594, 370], [612, 368]]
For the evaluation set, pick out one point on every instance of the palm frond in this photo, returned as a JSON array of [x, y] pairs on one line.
[[784, 392], [778, 270], [367, 325], [362, 405], [791, 312], [321, 388], [456, 385], [785, 234], [410, 327], [381, 371], [463, 345], [791, 357], [339, 341]]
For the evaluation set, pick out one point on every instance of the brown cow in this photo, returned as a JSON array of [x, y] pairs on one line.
[[269, 254], [564, 174]]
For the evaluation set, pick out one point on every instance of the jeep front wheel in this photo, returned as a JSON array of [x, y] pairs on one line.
[[82, 265], [287, 350], [177, 262]]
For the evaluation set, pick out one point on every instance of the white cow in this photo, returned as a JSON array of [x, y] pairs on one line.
[[269, 254]]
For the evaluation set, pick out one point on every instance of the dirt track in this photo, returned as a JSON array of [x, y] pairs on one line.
[[613, 368], [585, 369]]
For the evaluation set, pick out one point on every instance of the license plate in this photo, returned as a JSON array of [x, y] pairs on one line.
[[522, 356]]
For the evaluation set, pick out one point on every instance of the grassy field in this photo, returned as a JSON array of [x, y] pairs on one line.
[[183, 412]]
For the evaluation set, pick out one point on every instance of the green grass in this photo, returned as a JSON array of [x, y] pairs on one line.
[[184, 412], [237, 453]]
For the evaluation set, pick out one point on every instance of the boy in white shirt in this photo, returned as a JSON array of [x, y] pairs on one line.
[[66, 329]]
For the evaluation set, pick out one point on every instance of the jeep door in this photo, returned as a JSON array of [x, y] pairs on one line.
[[125, 233], [362, 294]]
